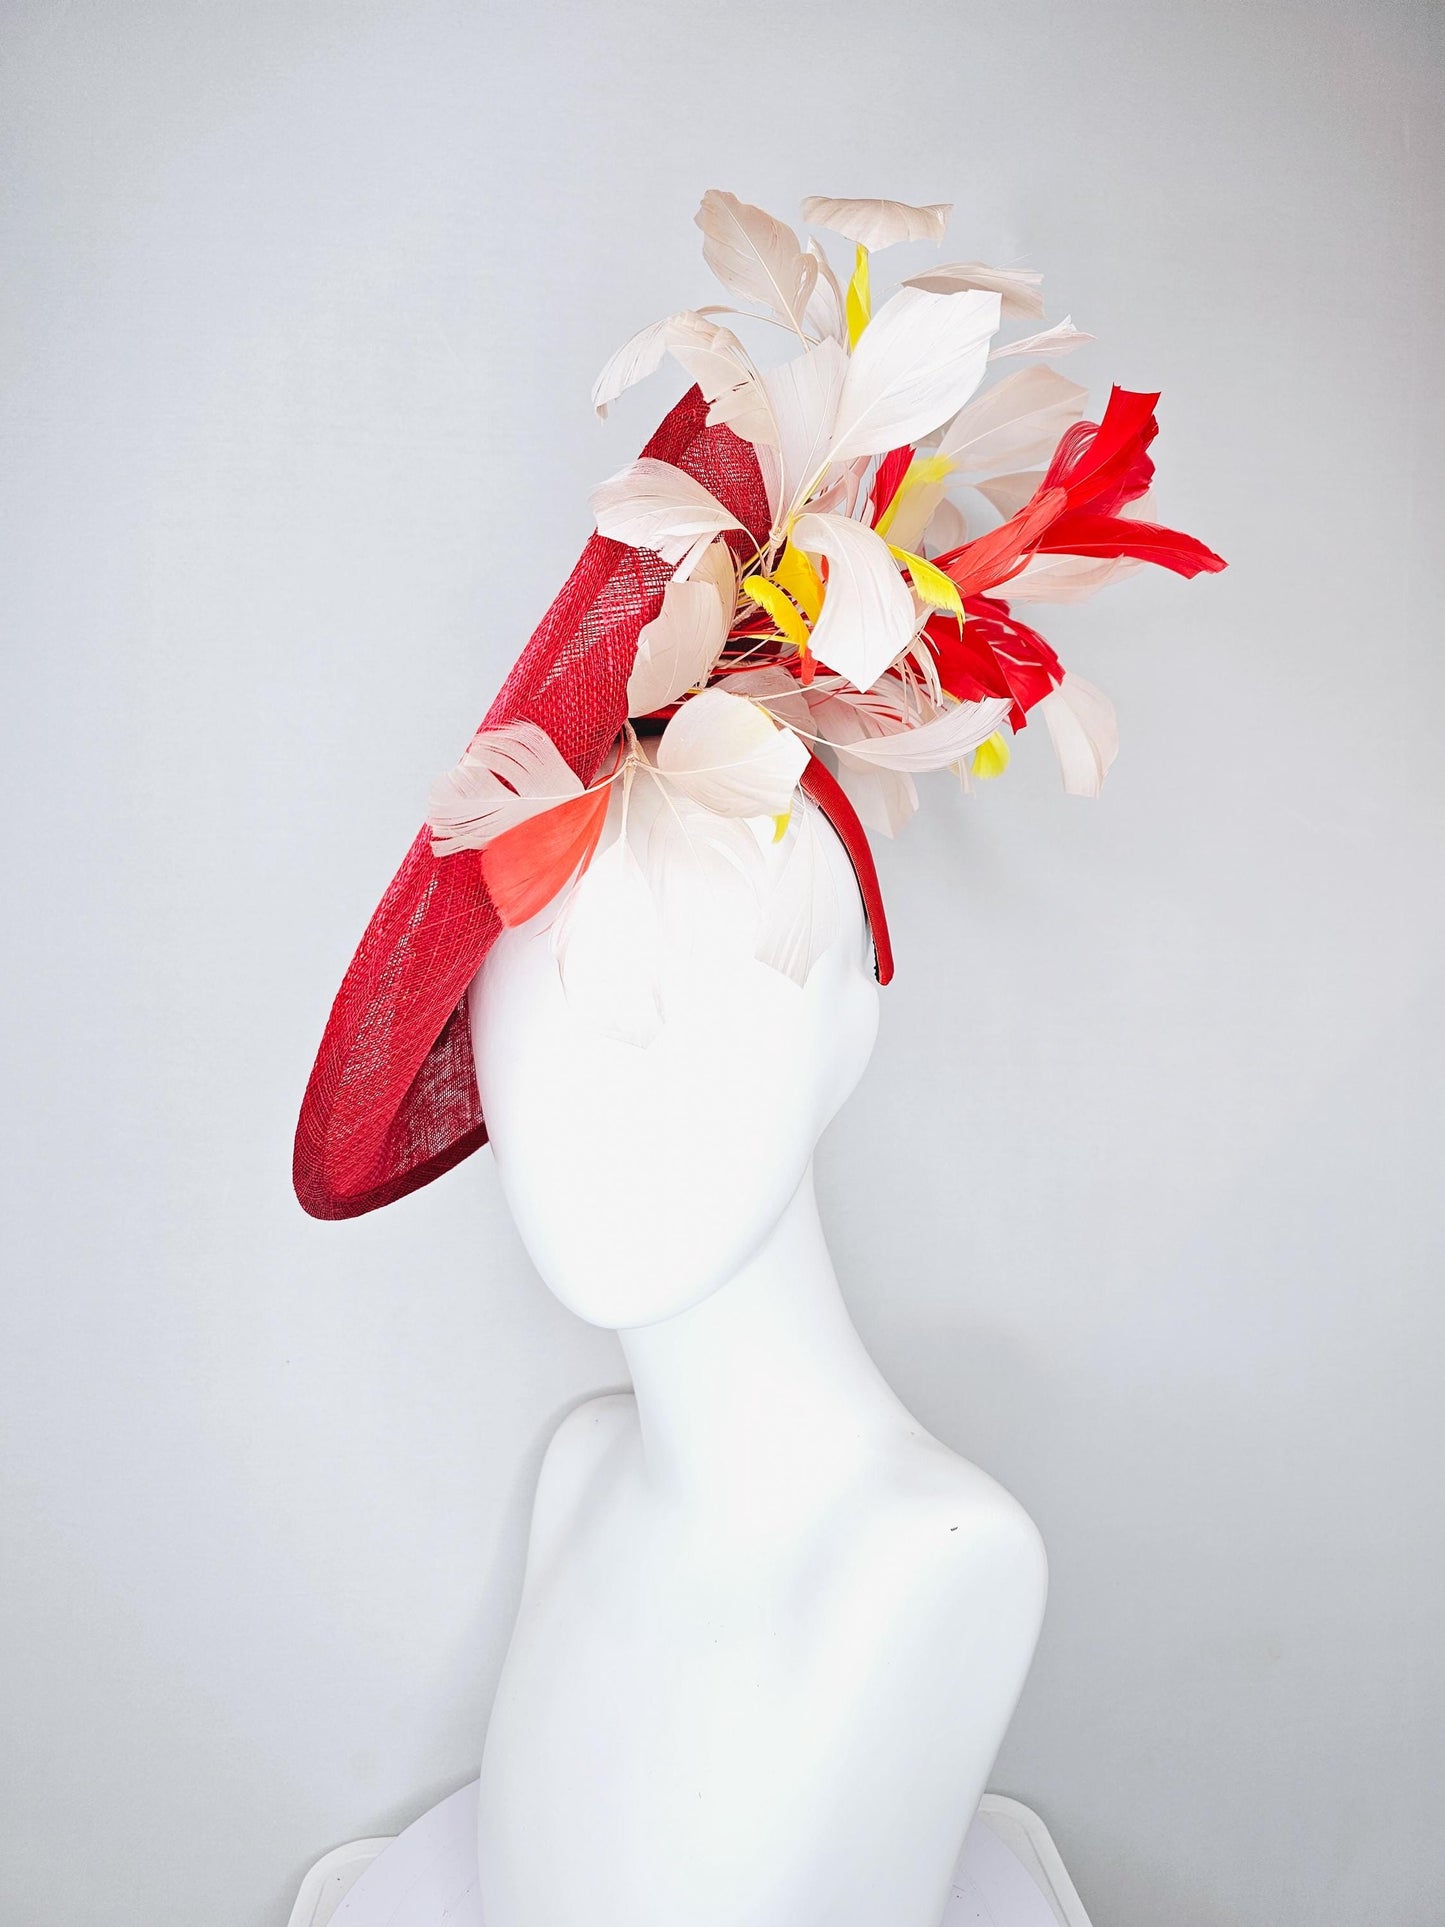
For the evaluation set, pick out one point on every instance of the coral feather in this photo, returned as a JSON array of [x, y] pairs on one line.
[[526, 866]]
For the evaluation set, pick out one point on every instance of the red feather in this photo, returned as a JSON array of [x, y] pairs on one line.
[[994, 557], [993, 654], [526, 866], [1106, 464], [891, 471], [1085, 532]]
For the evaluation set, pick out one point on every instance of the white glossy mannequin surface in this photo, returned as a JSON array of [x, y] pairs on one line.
[[771, 1632]]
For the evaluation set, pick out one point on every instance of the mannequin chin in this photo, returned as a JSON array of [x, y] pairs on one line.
[[642, 1178]]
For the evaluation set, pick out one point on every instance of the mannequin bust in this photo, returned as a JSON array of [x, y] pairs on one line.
[[771, 1632]]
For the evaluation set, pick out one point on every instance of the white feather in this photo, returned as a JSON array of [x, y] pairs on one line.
[[777, 692], [756, 256], [916, 363], [1008, 493], [678, 647], [1057, 340], [1018, 288], [637, 358], [1085, 733], [868, 615], [1068, 578], [800, 911], [803, 397], [948, 529], [726, 754], [687, 845], [883, 798], [652, 505], [935, 744], [825, 314], [505, 776], [690, 332], [878, 224], [1015, 423]]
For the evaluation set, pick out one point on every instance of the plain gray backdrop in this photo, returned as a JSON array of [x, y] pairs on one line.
[[1139, 1204]]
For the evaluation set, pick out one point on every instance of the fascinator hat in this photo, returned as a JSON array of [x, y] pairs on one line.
[[806, 587]]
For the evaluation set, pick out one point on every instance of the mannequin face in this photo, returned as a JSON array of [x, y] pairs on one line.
[[642, 1177]]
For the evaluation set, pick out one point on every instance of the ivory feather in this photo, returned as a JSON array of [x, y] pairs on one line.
[[1084, 731], [1058, 340], [916, 363], [726, 754], [756, 256], [867, 617], [1015, 423], [878, 224], [505, 776], [1018, 288], [652, 505], [678, 647]]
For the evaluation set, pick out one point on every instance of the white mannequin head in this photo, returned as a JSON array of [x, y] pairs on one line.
[[642, 1178]]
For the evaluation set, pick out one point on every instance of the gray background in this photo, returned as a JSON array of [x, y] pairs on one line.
[[1138, 1205]]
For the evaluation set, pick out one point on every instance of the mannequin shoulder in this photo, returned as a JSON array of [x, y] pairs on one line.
[[955, 1528], [582, 1444]]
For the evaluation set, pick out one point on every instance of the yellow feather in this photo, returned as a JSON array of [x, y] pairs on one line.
[[796, 574], [924, 471], [990, 758], [780, 825], [769, 596], [932, 584], [859, 303]]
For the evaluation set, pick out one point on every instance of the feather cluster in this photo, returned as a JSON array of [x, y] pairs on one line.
[[911, 508]]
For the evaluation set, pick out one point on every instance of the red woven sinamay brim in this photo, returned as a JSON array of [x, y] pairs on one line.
[[392, 1099]]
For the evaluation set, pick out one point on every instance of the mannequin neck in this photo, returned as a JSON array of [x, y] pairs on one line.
[[760, 1402]]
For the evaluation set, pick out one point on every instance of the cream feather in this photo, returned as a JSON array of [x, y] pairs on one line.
[[1058, 340], [1018, 288], [1085, 733], [935, 744], [678, 647], [916, 363], [878, 224], [1014, 423], [505, 776], [726, 754], [652, 505], [756, 256], [868, 615], [800, 910]]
